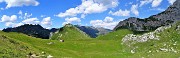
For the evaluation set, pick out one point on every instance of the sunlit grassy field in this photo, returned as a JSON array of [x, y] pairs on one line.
[[79, 45]]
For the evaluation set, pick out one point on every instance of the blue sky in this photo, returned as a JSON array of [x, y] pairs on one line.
[[56, 13]]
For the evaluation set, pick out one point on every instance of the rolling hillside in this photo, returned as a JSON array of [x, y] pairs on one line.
[[111, 45], [157, 36], [81, 48], [93, 32], [69, 32]]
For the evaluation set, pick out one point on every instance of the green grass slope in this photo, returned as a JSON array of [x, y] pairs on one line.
[[85, 48], [168, 45], [116, 35], [10, 47], [69, 32], [79, 45]]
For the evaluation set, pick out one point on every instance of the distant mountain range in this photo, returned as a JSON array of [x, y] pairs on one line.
[[93, 31], [164, 18], [151, 23], [40, 32], [32, 30]]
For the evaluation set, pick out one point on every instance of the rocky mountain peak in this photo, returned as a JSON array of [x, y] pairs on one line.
[[167, 17]]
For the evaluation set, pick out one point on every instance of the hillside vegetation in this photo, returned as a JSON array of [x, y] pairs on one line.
[[78, 45], [69, 32]]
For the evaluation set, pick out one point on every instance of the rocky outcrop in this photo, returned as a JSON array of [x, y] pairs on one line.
[[132, 39], [164, 18]]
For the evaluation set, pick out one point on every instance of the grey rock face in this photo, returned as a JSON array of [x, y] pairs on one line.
[[169, 16]]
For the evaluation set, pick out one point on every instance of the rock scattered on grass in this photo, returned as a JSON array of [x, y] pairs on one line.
[[132, 39], [49, 56]]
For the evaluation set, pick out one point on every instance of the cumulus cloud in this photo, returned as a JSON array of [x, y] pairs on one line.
[[144, 2], [17, 24], [19, 3], [20, 12], [171, 1], [1, 9], [73, 19], [12, 24], [90, 6], [120, 13], [106, 23], [31, 21], [108, 19], [6, 18], [9, 24], [70, 20], [24, 15], [134, 9], [64, 23], [46, 21], [156, 3], [10, 21]]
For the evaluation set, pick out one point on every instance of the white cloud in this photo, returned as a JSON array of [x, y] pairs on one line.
[[11, 24], [1, 8], [43, 16], [90, 6], [108, 3], [64, 23], [95, 8], [120, 13], [134, 9], [144, 2], [83, 16], [19, 3], [73, 19], [8, 24], [20, 12], [24, 15], [106, 23], [108, 19], [171, 1], [46, 21], [31, 21], [70, 20], [17, 24], [156, 3], [6, 18], [69, 12], [27, 15], [10, 21]]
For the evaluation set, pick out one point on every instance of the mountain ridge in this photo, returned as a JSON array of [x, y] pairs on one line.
[[167, 17], [93, 31]]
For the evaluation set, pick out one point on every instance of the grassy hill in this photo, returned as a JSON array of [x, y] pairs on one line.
[[77, 48], [116, 35], [14, 45], [79, 45], [69, 32], [167, 46]]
